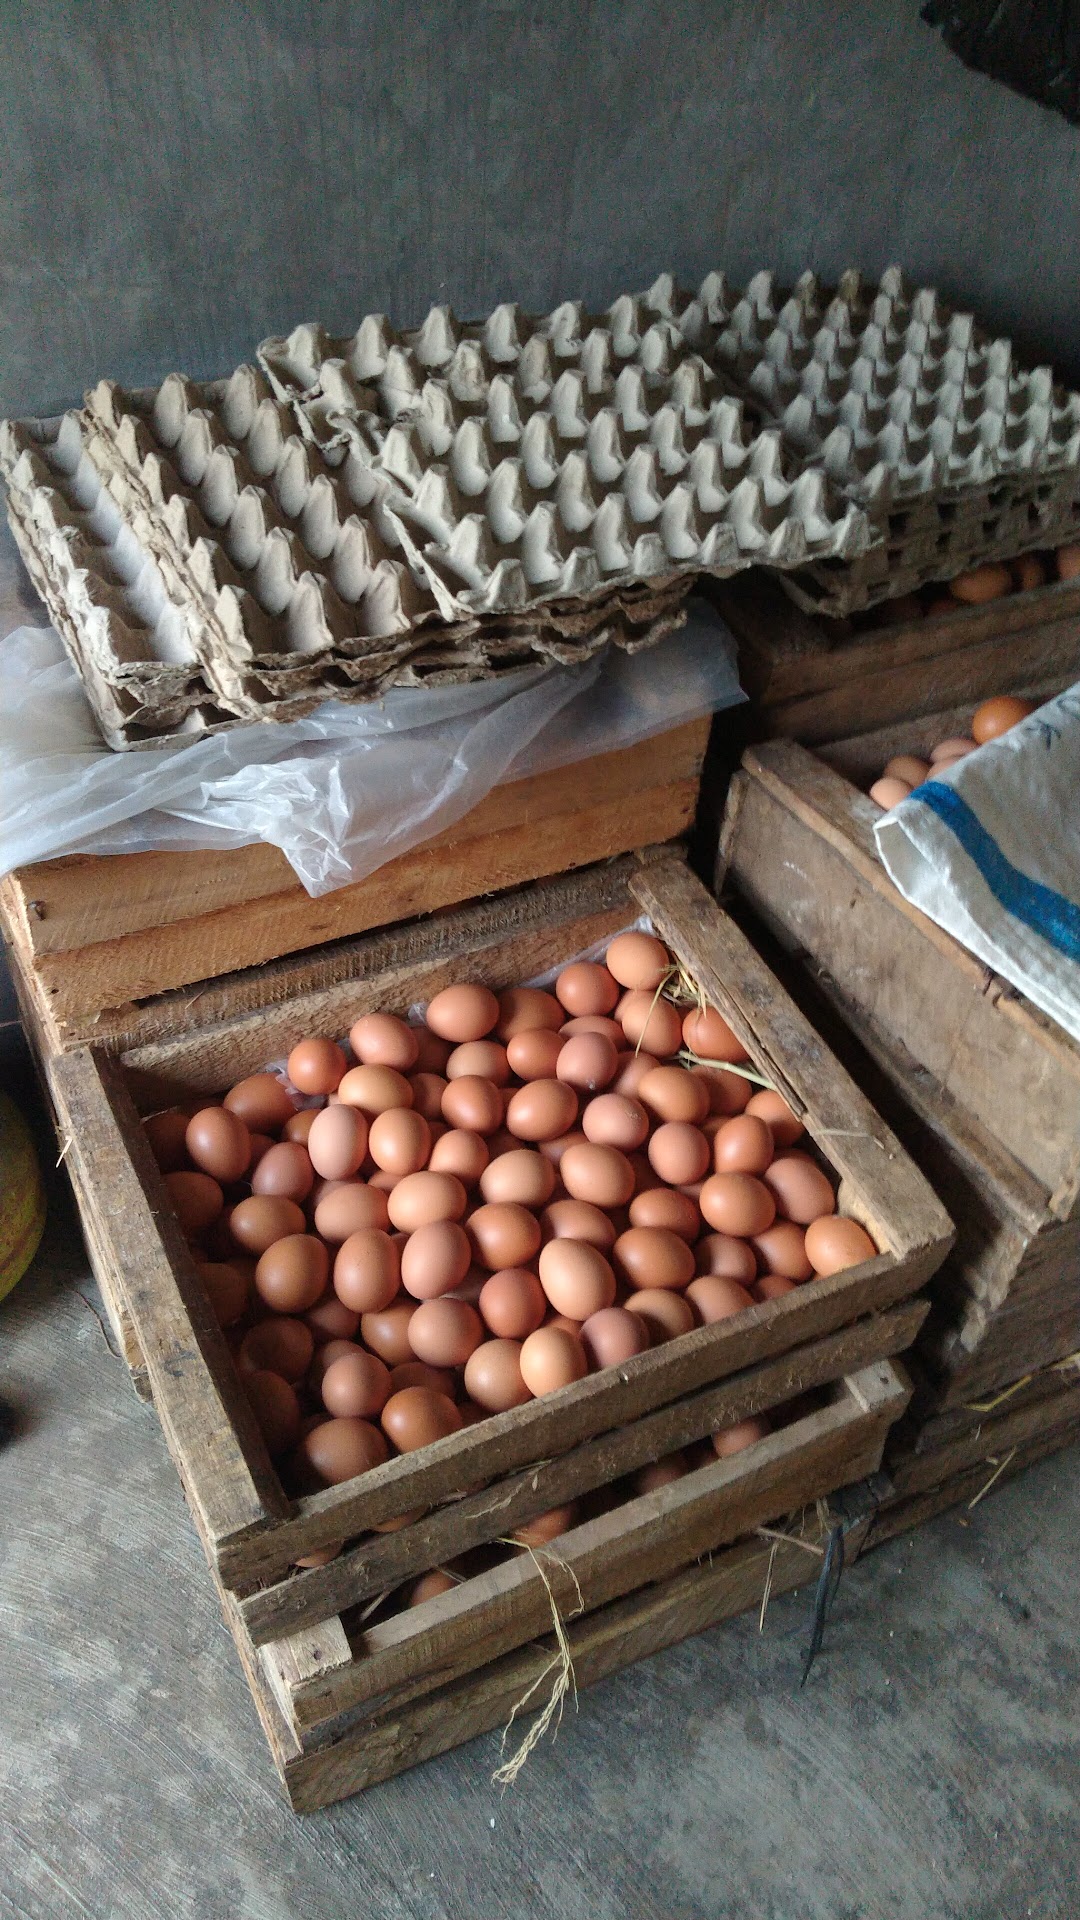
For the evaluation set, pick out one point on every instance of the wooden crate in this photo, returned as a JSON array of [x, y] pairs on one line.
[[814, 680], [916, 1485], [583, 1437], [104, 946], [319, 1764]]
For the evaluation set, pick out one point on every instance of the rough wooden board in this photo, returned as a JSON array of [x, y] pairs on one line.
[[83, 900], [727, 1583], [381, 1562], [641, 1540], [911, 1472], [810, 684], [899, 1513], [208, 1422], [803, 855], [926, 1426]]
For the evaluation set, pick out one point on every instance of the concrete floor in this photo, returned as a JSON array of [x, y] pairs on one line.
[[929, 1771]]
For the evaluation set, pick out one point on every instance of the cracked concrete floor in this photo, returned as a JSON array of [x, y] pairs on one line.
[[929, 1771]]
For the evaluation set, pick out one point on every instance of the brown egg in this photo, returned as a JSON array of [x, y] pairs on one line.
[[801, 1191], [648, 1257], [666, 1315], [386, 1331], [219, 1143], [585, 987], [261, 1144], [375, 1090], [598, 1025], [994, 718], [347, 1207], [772, 1286], [166, 1134], [889, 793], [325, 1356], [299, 1125], [382, 1040], [472, 1104], [519, 1178], [956, 745], [330, 1319], [781, 1249], [503, 1235], [291, 1275], [416, 1417], [563, 1321], [422, 1197], [261, 1103], [737, 1438], [427, 1091], [542, 1110], [720, 1253], [834, 1243], [672, 1093], [399, 1140], [631, 1069], [414, 1373], [612, 1336], [553, 1150], [479, 1060], [578, 1220], [545, 1526], [533, 1054], [339, 1449], [907, 767], [729, 1093], [638, 960], [552, 1358], [981, 584], [679, 1153], [356, 1386], [433, 1052], [277, 1410], [443, 1333], [227, 1290], [512, 1303], [587, 1062], [662, 1207], [493, 1376], [614, 1120], [257, 1223], [367, 1271], [463, 1013], [576, 1278], [737, 1203], [707, 1033], [774, 1110], [461, 1153], [1067, 560], [674, 1466], [601, 1175], [743, 1145], [715, 1297], [284, 1169], [338, 1142], [197, 1200], [429, 1587], [435, 1260], [525, 1009], [278, 1345], [316, 1066], [651, 1023]]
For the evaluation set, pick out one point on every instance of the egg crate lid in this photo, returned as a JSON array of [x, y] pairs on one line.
[[890, 390]]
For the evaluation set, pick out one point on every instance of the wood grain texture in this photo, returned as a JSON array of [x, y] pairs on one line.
[[639, 1541], [899, 1513], [913, 1472], [803, 856], [925, 1428], [383, 1561]]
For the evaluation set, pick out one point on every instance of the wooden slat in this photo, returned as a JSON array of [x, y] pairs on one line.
[[927, 1427], [642, 1540], [383, 1561], [912, 1472], [900, 1513], [208, 1422]]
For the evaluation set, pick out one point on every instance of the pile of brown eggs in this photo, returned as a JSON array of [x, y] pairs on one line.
[[994, 580], [484, 1208], [906, 771]]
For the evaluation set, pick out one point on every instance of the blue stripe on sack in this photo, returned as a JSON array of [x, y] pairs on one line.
[[1055, 919]]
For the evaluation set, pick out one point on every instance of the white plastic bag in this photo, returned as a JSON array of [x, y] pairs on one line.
[[346, 789]]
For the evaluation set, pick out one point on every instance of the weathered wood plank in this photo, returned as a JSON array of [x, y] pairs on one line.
[[912, 1472]]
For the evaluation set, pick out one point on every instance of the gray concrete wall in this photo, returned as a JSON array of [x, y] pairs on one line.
[[178, 177]]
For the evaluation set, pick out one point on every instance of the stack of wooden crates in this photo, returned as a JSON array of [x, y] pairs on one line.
[[982, 1087], [150, 979]]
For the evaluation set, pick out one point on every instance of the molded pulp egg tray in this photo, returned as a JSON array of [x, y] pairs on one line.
[[396, 509]]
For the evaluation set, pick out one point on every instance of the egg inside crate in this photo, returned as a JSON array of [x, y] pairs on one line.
[[489, 1205]]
